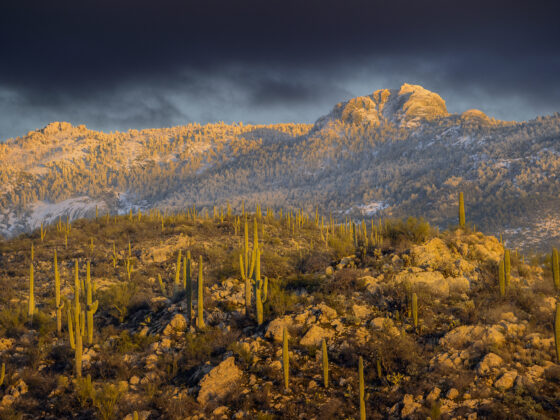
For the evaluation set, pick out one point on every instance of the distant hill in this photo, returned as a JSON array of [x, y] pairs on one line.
[[394, 153]]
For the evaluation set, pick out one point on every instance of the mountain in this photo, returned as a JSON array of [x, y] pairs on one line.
[[394, 153]]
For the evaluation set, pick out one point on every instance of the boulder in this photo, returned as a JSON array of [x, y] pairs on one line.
[[434, 281], [409, 406], [326, 312], [452, 394], [473, 335], [219, 381], [433, 253], [372, 284], [315, 335], [6, 344], [361, 311], [489, 362], [507, 380], [177, 324], [275, 328], [433, 395]]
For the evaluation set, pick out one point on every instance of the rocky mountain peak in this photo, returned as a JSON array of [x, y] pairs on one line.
[[55, 127], [405, 106]]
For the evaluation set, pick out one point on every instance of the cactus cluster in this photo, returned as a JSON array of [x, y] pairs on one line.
[[251, 274]]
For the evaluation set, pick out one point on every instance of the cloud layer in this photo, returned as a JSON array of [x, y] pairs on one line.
[[116, 65]]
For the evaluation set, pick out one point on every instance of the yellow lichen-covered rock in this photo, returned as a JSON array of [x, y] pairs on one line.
[[218, 382], [434, 281], [315, 335], [477, 336]]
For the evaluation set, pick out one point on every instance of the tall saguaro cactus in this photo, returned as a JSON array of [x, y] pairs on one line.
[[31, 300], [415, 309], [200, 298], [555, 269], [177, 273], [188, 284], [91, 307], [325, 360], [70, 327], [362, 389], [507, 267], [461, 210], [59, 305], [557, 332], [502, 278], [78, 329], [285, 359]]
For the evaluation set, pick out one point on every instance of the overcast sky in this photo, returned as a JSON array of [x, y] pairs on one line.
[[120, 64]]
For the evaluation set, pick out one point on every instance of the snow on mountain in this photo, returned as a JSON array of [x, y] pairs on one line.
[[394, 153]]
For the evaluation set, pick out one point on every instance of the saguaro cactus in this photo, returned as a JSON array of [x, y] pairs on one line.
[[362, 389], [200, 299], [325, 360], [70, 328], [162, 286], [178, 272], [557, 332], [261, 291], [59, 305], [502, 278], [78, 329], [415, 309], [555, 269], [461, 210], [285, 359], [31, 300], [188, 285], [507, 267], [91, 307]]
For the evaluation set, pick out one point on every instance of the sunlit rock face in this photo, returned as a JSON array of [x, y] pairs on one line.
[[475, 116], [406, 106]]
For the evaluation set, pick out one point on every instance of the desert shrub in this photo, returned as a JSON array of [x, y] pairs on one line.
[[344, 282], [410, 230], [127, 342], [12, 320], [280, 299], [106, 400], [175, 408], [341, 246], [118, 298], [200, 347]]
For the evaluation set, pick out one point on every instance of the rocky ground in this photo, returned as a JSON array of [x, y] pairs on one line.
[[474, 354]]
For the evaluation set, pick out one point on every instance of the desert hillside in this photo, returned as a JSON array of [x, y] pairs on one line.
[[270, 315], [393, 153]]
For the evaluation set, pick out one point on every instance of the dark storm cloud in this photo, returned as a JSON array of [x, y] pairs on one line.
[[121, 64]]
